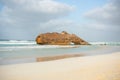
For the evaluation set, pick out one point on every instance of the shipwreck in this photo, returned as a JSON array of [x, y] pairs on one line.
[[63, 38]]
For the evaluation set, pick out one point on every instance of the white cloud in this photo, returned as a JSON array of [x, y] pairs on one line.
[[106, 17], [42, 10], [58, 24], [24, 17]]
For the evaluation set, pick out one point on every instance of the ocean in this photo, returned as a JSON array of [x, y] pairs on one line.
[[16, 52]]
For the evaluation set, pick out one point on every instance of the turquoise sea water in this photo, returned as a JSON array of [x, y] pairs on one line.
[[12, 52]]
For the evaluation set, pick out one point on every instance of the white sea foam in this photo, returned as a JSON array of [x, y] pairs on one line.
[[33, 42], [105, 43], [28, 44], [34, 46], [17, 42]]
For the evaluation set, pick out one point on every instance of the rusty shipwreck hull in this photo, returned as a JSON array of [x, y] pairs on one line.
[[62, 38]]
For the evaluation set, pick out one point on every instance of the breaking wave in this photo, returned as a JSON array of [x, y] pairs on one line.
[[17, 42], [32, 44], [28, 44], [105, 43]]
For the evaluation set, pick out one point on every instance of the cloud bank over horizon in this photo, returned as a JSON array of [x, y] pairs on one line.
[[105, 21], [25, 19], [106, 17], [29, 17]]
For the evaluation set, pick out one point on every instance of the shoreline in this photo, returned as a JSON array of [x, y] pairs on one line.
[[50, 58], [27, 55], [97, 67]]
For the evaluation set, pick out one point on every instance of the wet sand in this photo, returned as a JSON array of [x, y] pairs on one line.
[[49, 58], [98, 67]]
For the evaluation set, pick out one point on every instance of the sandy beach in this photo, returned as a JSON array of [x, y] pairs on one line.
[[98, 67]]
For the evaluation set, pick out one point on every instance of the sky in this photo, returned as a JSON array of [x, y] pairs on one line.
[[92, 20]]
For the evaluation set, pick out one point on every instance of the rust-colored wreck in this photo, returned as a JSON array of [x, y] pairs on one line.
[[62, 38]]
